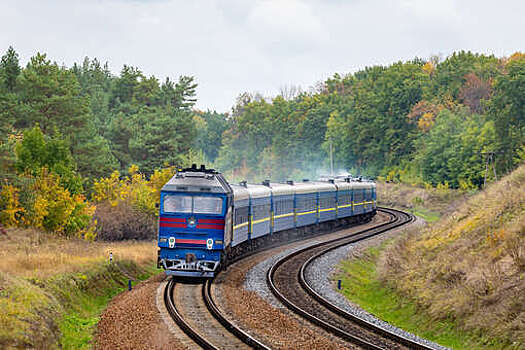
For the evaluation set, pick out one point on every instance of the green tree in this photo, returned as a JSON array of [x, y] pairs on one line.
[[453, 151], [159, 137], [37, 151], [209, 129], [507, 109], [9, 69]]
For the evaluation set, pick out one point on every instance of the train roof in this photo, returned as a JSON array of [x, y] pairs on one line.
[[279, 189], [197, 180], [343, 185], [258, 191], [364, 184], [313, 186], [239, 192]]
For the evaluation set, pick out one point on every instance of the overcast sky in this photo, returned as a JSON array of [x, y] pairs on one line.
[[233, 46]]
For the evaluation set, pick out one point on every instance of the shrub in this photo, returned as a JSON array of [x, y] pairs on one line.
[[126, 206], [123, 221]]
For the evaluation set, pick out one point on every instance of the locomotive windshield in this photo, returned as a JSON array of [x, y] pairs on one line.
[[192, 204]]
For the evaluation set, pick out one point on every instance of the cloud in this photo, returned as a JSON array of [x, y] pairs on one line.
[[232, 46]]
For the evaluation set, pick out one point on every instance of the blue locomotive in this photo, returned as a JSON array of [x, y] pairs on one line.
[[204, 222]]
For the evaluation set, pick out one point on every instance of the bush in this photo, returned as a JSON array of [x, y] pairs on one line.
[[123, 221], [42, 202], [126, 206]]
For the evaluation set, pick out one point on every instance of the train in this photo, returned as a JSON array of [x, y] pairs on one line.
[[206, 222]]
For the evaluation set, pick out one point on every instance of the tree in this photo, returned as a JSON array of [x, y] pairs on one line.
[[37, 151], [209, 128], [9, 69], [473, 91], [507, 109], [453, 149], [159, 137]]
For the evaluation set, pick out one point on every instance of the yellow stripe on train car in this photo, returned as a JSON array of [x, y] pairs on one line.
[[326, 209], [282, 215], [240, 225], [260, 220], [307, 212]]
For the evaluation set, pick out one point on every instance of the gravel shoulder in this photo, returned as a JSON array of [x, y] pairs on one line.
[[133, 321]]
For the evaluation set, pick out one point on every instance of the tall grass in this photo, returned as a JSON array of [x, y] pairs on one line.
[[470, 265]]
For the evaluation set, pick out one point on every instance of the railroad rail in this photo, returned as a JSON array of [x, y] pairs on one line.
[[193, 309], [286, 279]]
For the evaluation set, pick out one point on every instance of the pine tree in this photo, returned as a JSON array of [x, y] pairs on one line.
[[9, 69]]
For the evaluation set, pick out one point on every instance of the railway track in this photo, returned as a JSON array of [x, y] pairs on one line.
[[191, 305], [286, 279], [193, 309]]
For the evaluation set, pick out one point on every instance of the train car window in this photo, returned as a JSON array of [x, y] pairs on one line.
[[306, 204], [261, 211], [241, 215], [283, 206], [207, 205], [177, 204]]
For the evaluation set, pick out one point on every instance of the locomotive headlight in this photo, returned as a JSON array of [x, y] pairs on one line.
[[192, 222], [171, 242], [209, 243]]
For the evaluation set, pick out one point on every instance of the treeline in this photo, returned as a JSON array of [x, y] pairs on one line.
[[65, 131], [433, 122], [80, 147]]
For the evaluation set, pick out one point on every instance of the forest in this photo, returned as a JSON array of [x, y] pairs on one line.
[[82, 149]]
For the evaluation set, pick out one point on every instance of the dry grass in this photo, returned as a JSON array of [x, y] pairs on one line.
[[470, 266], [439, 201], [31, 253]]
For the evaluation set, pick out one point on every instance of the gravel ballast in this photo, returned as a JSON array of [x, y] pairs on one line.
[[132, 321]]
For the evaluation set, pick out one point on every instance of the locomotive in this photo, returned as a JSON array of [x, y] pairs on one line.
[[205, 222]]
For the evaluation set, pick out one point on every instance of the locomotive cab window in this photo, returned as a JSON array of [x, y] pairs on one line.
[[207, 205], [177, 204], [192, 204]]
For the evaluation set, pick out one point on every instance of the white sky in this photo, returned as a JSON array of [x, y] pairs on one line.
[[233, 46]]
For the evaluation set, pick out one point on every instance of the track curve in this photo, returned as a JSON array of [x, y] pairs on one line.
[[286, 281]]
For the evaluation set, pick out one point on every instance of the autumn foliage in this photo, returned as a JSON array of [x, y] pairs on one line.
[[47, 194]]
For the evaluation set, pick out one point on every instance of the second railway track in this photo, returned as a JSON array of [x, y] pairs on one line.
[[286, 279]]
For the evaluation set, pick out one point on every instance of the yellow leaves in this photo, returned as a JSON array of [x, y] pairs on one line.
[[133, 169], [423, 114], [10, 210], [425, 122], [429, 68], [107, 188], [496, 237], [466, 185], [140, 192], [516, 56], [50, 206]]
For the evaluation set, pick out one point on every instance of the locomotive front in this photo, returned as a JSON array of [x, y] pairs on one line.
[[194, 207]]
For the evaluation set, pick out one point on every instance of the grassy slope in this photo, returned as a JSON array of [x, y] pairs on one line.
[[362, 285], [465, 272], [52, 291], [470, 266]]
